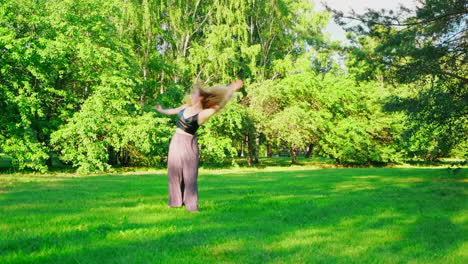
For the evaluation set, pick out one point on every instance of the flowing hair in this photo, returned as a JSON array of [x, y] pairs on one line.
[[213, 97]]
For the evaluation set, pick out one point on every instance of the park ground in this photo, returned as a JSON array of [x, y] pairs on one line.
[[297, 214]]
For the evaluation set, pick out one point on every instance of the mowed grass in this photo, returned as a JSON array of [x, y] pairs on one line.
[[352, 215]]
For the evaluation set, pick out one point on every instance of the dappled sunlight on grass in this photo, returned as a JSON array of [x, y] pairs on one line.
[[290, 216], [223, 249], [461, 251], [305, 237], [352, 186], [461, 217]]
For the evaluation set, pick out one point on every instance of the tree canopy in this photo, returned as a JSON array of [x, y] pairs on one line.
[[79, 79]]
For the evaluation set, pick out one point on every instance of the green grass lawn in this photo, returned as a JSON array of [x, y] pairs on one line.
[[289, 215]]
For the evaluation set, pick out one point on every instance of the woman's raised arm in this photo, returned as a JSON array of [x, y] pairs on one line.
[[172, 111]]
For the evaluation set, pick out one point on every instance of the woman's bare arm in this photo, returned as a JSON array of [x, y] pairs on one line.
[[172, 111], [205, 114]]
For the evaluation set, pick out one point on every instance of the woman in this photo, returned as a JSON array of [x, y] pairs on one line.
[[183, 155]]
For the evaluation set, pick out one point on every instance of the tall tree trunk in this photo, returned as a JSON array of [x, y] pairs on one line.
[[143, 88], [124, 157], [250, 147], [309, 150], [256, 149], [49, 162], [161, 89], [293, 154], [268, 150], [124, 10], [240, 153], [112, 160]]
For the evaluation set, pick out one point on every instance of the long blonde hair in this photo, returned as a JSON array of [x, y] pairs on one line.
[[213, 97]]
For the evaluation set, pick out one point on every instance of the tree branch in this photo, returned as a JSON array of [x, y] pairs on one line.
[[340, 14]]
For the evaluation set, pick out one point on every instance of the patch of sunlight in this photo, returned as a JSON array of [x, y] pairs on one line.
[[131, 203], [380, 228], [265, 180], [357, 244], [135, 214], [411, 180], [240, 187], [407, 220], [29, 178], [230, 247], [75, 248], [399, 182], [140, 172], [353, 186], [147, 206], [303, 237], [462, 250], [291, 197], [28, 206], [381, 236], [402, 180], [389, 213], [253, 170], [158, 215], [278, 197], [339, 241], [410, 166], [403, 185], [207, 204], [302, 175], [367, 177], [368, 237], [460, 218], [45, 252], [4, 228], [351, 222], [155, 218], [137, 234]]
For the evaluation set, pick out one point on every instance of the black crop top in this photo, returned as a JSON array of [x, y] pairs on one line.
[[189, 125]]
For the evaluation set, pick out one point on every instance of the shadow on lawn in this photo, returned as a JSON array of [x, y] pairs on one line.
[[244, 218]]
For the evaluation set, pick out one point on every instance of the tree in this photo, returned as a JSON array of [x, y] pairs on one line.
[[53, 54], [341, 118], [426, 49]]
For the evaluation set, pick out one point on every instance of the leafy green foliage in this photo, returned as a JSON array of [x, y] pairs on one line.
[[79, 81], [424, 50], [107, 120], [222, 133], [342, 119]]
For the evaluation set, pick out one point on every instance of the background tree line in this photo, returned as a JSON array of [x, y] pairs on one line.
[[79, 79]]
